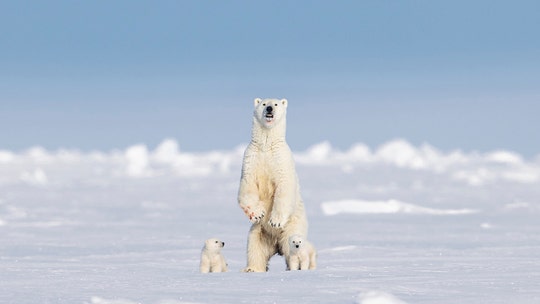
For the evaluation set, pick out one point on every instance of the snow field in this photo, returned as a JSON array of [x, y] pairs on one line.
[[395, 224]]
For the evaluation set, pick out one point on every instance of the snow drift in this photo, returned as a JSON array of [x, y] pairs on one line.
[[385, 207], [37, 165]]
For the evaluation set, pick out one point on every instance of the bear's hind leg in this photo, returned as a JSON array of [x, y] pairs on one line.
[[259, 251], [313, 260], [204, 266]]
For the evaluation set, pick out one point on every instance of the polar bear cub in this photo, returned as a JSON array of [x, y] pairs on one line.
[[302, 255], [212, 259]]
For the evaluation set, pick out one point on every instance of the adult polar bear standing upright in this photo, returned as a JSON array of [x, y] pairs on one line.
[[269, 191]]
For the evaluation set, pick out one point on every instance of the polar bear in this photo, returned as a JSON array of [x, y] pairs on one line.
[[211, 258], [302, 254], [269, 192]]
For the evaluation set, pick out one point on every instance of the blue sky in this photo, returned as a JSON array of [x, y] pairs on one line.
[[108, 74]]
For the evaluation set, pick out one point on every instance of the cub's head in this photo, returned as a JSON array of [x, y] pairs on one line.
[[213, 245], [295, 242], [269, 112]]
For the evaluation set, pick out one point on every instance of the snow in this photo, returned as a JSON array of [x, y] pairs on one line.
[[378, 297], [392, 224], [137, 161], [384, 207]]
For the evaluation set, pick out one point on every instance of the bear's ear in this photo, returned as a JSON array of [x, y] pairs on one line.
[[284, 102], [257, 101]]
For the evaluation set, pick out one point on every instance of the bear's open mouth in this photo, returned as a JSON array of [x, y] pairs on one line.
[[269, 117]]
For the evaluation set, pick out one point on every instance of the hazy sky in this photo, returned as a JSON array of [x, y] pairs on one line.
[[108, 74]]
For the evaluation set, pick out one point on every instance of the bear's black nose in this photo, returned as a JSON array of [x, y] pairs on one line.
[[223, 244], [297, 246], [269, 109]]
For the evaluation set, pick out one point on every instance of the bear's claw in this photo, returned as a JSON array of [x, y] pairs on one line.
[[250, 269], [277, 221], [255, 219], [254, 216], [275, 225]]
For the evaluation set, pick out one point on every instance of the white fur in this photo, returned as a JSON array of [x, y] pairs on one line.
[[302, 255], [269, 191], [211, 258]]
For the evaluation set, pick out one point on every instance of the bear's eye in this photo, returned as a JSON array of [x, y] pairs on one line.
[[275, 104], [264, 105], [299, 242], [217, 242]]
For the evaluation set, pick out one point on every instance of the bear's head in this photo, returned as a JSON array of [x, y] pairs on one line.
[[270, 112], [295, 242], [213, 245]]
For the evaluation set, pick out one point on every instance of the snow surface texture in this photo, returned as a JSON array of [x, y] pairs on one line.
[[398, 224]]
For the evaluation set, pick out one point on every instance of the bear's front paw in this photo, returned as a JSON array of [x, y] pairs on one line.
[[254, 214], [277, 221]]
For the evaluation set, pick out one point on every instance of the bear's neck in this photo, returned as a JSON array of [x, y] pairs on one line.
[[265, 138]]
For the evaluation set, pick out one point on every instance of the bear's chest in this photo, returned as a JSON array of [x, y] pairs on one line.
[[267, 166], [266, 174]]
